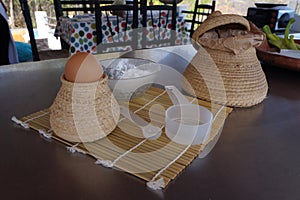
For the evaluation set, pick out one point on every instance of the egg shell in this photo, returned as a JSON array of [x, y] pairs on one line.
[[83, 67]]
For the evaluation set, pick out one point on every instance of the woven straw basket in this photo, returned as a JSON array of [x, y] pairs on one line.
[[84, 112], [225, 77]]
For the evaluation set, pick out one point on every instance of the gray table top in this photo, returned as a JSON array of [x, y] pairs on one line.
[[256, 157]]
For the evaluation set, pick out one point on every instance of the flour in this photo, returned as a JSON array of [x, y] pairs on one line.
[[124, 70]]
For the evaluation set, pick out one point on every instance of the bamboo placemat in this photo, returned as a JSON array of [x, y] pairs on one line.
[[155, 161]]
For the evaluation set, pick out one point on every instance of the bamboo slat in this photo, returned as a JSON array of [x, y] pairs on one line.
[[146, 157]]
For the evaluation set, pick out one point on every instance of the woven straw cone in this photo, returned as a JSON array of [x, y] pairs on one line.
[[242, 82], [224, 77], [84, 112]]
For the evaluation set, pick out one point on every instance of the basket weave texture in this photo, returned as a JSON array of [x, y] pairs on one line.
[[84, 112], [217, 19], [225, 77]]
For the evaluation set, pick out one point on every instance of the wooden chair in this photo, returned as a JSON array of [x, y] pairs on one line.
[[72, 7], [160, 23], [125, 20], [198, 15], [28, 21]]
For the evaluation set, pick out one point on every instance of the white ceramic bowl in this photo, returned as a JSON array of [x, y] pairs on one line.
[[188, 124], [132, 83]]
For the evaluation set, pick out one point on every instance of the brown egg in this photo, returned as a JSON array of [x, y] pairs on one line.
[[83, 67]]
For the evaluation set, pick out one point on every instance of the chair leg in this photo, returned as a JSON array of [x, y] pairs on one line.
[[64, 45], [26, 14]]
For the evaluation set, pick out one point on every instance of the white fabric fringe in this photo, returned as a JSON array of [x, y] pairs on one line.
[[74, 149], [156, 185], [23, 124], [45, 134], [105, 163]]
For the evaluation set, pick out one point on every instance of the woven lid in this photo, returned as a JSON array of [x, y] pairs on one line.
[[232, 78], [217, 19]]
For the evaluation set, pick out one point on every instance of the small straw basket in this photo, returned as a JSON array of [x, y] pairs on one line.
[[84, 112], [237, 79]]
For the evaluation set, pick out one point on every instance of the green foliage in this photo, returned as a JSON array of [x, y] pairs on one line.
[[14, 8]]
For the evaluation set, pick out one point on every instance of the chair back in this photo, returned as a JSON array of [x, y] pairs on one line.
[[72, 7], [28, 21], [162, 21], [119, 22], [195, 17]]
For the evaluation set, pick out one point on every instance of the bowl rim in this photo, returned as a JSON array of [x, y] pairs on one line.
[[157, 69]]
